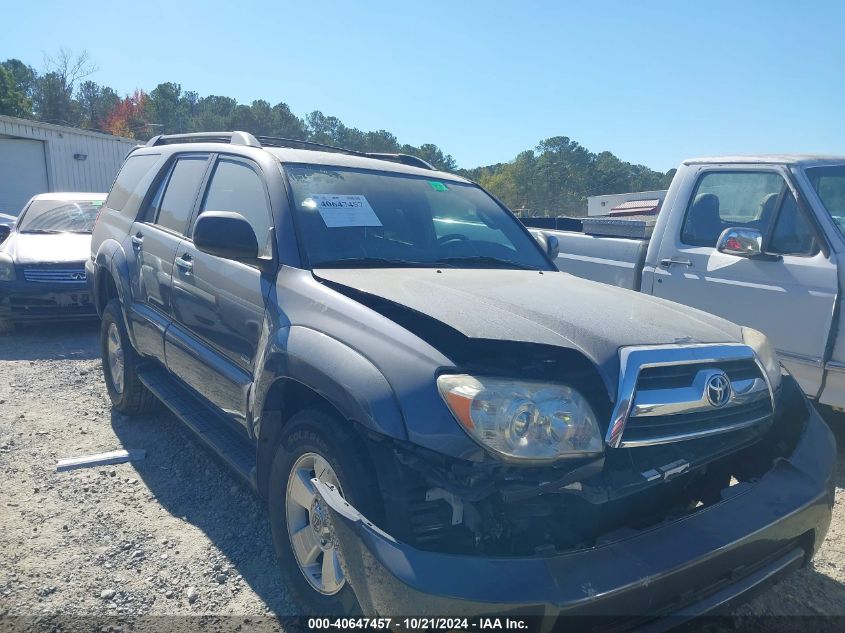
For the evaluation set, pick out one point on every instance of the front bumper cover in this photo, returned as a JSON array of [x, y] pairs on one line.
[[705, 562], [38, 301]]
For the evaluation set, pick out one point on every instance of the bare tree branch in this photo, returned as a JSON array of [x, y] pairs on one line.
[[68, 68]]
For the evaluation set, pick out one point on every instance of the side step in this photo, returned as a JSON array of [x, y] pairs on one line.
[[213, 429]]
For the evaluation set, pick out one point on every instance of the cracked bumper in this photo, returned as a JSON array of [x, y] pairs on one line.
[[703, 563]]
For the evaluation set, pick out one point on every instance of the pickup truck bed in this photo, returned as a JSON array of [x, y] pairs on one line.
[[618, 261], [601, 248]]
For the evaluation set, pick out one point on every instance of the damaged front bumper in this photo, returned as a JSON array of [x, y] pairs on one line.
[[34, 301], [705, 562]]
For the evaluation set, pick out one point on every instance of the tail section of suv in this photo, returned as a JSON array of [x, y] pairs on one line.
[[439, 420]]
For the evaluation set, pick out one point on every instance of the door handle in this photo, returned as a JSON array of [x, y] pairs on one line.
[[668, 261], [137, 240], [185, 263]]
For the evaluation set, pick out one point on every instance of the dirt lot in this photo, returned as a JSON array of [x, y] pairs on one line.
[[175, 533]]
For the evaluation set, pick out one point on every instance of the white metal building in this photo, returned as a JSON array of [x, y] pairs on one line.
[[603, 205], [41, 157]]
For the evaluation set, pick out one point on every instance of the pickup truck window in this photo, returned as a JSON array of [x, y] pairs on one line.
[[353, 217], [725, 199], [237, 187], [793, 233], [829, 183], [755, 200]]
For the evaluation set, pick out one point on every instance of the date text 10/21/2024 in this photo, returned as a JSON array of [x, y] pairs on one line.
[[420, 623]]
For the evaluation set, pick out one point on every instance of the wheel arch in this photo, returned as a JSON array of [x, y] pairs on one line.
[[307, 369], [111, 275]]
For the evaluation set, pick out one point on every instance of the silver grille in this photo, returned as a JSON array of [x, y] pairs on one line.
[[55, 275], [674, 393]]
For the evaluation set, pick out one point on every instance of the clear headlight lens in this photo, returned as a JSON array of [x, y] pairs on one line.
[[766, 353], [7, 268], [522, 419]]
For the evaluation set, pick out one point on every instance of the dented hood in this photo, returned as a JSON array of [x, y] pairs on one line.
[[551, 308]]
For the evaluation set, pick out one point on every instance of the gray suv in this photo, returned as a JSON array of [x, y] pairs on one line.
[[439, 420]]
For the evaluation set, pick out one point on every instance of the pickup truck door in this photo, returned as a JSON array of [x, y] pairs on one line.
[[218, 304], [789, 295], [154, 238]]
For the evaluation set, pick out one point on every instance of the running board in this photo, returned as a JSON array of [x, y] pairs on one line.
[[212, 428]]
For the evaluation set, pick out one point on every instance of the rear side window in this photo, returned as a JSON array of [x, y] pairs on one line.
[[237, 187], [133, 170], [177, 203]]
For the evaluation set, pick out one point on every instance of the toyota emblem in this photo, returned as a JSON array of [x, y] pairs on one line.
[[718, 390]]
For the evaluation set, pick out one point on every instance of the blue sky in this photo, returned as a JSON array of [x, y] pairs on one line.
[[653, 82]]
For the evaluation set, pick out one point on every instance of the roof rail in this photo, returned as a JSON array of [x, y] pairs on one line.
[[233, 138], [279, 141], [405, 159], [245, 138]]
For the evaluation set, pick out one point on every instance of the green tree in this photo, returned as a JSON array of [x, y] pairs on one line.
[[286, 124], [212, 114], [24, 76], [95, 103], [13, 102], [167, 109]]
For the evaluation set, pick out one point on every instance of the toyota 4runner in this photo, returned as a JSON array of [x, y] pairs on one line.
[[439, 420]]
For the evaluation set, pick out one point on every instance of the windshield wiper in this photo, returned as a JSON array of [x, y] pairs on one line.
[[371, 262], [41, 231], [485, 259]]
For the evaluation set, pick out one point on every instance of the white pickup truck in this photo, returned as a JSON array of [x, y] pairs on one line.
[[759, 240]]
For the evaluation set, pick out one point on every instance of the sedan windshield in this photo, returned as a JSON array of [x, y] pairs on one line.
[[356, 218], [829, 183], [60, 216]]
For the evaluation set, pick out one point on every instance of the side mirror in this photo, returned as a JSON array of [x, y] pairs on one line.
[[226, 234], [740, 242], [549, 243]]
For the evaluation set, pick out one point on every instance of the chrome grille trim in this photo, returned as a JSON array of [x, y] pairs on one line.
[[631, 404], [692, 399], [55, 275]]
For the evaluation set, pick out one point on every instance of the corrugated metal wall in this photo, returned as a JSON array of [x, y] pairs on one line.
[[104, 154]]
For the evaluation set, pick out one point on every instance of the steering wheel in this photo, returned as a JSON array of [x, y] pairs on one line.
[[451, 237]]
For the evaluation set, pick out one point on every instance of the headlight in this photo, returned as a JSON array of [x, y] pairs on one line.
[[522, 419], [766, 353], [7, 268]]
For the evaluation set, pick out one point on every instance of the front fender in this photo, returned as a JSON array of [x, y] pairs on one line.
[[341, 375]]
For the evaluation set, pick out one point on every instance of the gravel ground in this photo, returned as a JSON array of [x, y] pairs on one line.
[[175, 534]]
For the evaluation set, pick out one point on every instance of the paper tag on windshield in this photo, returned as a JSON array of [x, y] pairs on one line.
[[345, 210]]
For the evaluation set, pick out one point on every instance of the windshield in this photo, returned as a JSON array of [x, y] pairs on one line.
[[60, 216], [829, 183], [357, 218]]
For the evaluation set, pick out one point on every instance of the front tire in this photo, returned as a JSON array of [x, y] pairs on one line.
[[315, 443], [120, 365]]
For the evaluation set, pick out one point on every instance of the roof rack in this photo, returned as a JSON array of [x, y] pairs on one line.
[[279, 141], [245, 138], [405, 159], [233, 138]]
